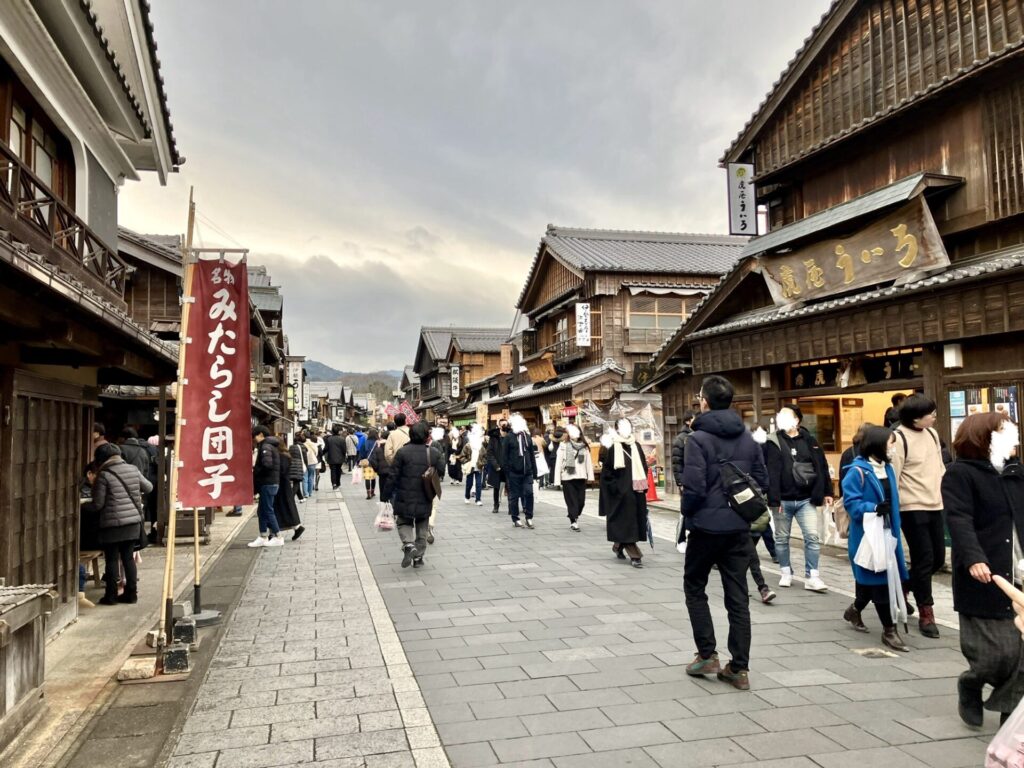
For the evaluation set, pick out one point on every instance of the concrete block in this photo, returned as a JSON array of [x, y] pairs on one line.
[[176, 659], [179, 610], [138, 668], [185, 631], [153, 638]]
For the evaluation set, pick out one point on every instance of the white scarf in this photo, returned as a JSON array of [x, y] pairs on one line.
[[639, 477]]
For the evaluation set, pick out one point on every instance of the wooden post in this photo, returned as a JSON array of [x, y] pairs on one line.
[[188, 264]]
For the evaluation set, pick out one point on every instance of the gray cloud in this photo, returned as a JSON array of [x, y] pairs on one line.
[[427, 145]]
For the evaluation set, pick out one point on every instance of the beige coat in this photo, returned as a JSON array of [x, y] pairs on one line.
[[564, 448], [919, 468], [396, 439]]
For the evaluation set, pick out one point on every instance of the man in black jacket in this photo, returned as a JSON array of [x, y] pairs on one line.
[[494, 473], [520, 465], [266, 480], [718, 536], [798, 483], [678, 457], [335, 453]]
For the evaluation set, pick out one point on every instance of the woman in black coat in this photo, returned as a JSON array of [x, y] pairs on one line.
[[411, 503], [983, 495], [296, 476], [620, 503], [285, 510]]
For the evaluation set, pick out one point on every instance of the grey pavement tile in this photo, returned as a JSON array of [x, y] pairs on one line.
[[301, 730], [630, 758], [315, 693], [527, 705], [769, 746], [646, 712], [943, 727], [477, 755], [627, 736], [713, 727], [498, 675], [700, 754], [385, 720], [806, 677], [355, 706], [794, 718], [278, 683], [359, 744], [723, 703], [451, 713], [533, 747], [851, 736], [591, 698], [282, 754], [565, 722], [559, 668], [214, 741], [482, 692], [543, 685], [875, 691], [950, 753], [481, 730], [276, 714], [890, 757], [204, 760]]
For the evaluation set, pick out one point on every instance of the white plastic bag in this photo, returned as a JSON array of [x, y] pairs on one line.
[[542, 465], [357, 476], [1006, 750], [871, 554], [385, 520]]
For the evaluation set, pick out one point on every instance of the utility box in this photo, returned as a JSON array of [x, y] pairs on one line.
[[23, 612]]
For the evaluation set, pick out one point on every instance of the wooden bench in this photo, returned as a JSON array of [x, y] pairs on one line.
[[92, 556]]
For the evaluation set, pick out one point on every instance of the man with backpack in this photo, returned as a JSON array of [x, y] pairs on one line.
[[723, 472], [798, 483]]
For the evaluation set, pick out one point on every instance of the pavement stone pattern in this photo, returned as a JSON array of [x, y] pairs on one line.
[[539, 648]]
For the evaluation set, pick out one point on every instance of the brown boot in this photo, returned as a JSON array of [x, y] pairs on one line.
[[927, 622], [852, 617], [891, 638]]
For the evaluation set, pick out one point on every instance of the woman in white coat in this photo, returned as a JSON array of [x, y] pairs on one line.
[[574, 468]]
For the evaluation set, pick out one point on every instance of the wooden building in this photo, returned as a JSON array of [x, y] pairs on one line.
[[440, 352], [888, 155], [410, 385], [83, 110], [634, 288], [472, 358]]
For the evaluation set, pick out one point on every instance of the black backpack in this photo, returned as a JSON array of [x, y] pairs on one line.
[[742, 492]]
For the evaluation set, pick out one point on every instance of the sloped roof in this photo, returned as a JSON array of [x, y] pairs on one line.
[[267, 301], [330, 388], [437, 339], [480, 339], [564, 382], [606, 250], [410, 376]]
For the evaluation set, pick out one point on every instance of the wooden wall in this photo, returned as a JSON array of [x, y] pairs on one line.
[[152, 294]]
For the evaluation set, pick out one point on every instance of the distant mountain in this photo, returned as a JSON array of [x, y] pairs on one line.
[[360, 382]]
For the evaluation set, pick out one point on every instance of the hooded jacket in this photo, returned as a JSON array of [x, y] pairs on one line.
[[116, 505], [267, 469], [409, 498], [296, 461], [778, 454], [679, 454], [134, 452], [517, 455], [717, 435]]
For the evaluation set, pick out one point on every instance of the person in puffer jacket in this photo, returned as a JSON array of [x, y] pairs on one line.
[[117, 498]]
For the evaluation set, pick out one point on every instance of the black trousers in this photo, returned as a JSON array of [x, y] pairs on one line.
[[877, 594], [298, 488], [575, 494], [120, 553], [755, 563], [351, 461], [731, 553], [926, 539], [335, 475]]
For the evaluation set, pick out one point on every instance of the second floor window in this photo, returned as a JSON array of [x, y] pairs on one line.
[[656, 311], [562, 329]]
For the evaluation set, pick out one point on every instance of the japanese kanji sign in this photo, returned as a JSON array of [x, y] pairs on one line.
[[742, 202], [213, 407], [455, 372], [901, 243], [583, 325], [411, 417]]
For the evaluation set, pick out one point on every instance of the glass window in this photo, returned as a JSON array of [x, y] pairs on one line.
[[44, 155], [18, 128], [562, 329], [663, 312]]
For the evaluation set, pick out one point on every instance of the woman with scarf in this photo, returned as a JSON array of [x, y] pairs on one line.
[[520, 464], [573, 469], [471, 463], [369, 477], [983, 495], [870, 492], [623, 500]]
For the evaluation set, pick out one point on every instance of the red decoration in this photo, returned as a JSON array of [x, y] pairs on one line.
[[215, 454]]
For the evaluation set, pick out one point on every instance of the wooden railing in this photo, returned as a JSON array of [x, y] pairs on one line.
[[37, 217], [647, 336]]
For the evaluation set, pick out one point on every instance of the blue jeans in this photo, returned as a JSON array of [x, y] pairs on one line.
[[265, 510], [82, 578], [477, 477], [310, 480], [806, 515]]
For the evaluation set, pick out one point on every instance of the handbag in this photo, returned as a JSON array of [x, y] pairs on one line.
[[431, 480], [143, 541], [742, 492]]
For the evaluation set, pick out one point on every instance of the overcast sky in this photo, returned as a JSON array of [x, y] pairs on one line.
[[395, 163]]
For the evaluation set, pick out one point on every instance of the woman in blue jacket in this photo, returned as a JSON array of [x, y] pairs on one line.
[[869, 487]]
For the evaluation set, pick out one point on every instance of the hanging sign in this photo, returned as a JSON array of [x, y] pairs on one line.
[[456, 370], [742, 201], [411, 417], [901, 243], [214, 415], [582, 325]]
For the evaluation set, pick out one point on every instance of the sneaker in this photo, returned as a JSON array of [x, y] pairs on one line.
[[469, 500], [479, 503], [517, 523], [529, 523], [766, 594], [813, 583], [85, 602], [574, 526], [275, 541], [298, 532], [233, 513], [701, 666], [303, 501], [738, 679], [259, 541], [775, 559], [786, 579], [417, 563], [408, 555], [495, 510], [636, 562]]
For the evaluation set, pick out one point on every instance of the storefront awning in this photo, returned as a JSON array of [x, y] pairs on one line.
[[569, 382], [666, 291], [850, 211]]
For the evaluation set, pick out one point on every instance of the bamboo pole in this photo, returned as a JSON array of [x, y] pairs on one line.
[[188, 264]]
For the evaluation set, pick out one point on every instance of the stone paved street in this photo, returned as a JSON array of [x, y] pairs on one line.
[[539, 648]]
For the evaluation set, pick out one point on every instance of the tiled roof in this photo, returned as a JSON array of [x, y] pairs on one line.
[[1002, 262], [410, 375], [437, 338], [566, 382], [481, 339], [267, 301], [147, 23], [897, 192], [605, 250]]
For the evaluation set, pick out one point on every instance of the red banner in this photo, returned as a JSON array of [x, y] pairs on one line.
[[390, 410], [214, 410], [411, 417]]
